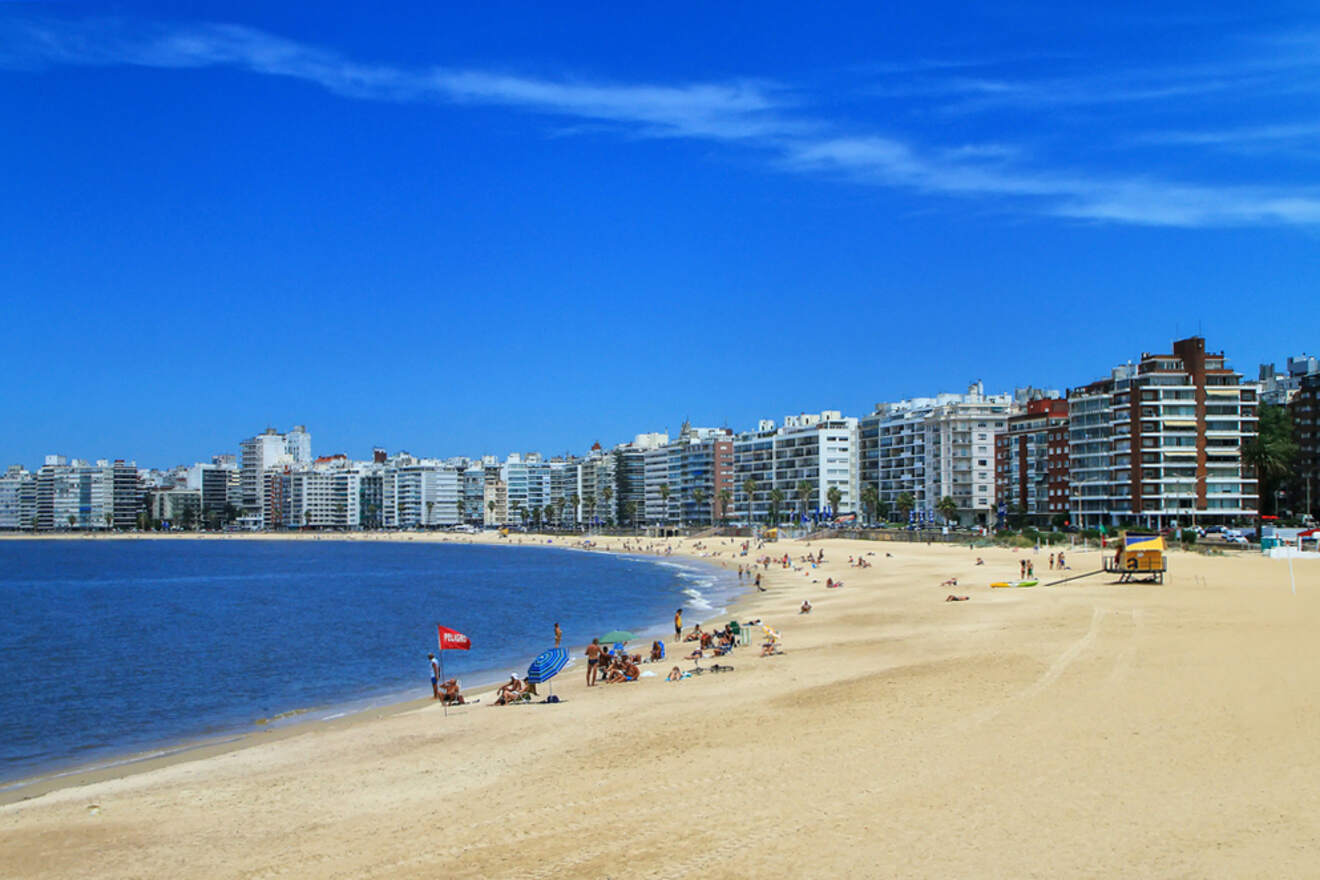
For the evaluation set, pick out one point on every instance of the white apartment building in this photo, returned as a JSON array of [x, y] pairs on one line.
[[932, 448], [263, 452], [820, 450], [419, 493], [527, 484], [18, 498], [325, 496]]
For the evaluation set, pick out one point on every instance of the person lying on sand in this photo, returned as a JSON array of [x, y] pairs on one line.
[[951, 582], [953, 598], [695, 655], [980, 561], [769, 648], [675, 674], [695, 635], [806, 607]]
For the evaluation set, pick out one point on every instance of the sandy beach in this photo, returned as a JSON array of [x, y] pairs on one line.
[[1083, 730]]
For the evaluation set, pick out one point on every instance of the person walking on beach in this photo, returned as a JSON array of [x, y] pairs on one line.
[[758, 582], [559, 634], [593, 660], [678, 621], [435, 676]]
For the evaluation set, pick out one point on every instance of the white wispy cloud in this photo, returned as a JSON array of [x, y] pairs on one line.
[[753, 113]]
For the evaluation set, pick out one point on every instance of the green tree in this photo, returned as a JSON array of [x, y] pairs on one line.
[[1270, 455], [664, 498], [430, 506], [698, 498], [589, 503], [834, 496], [490, 505], [749, 487], [576, 502], [109, 519], [73, 520], [462, 509], [630, 513], [870, 502], [607, 494], [776, 498], [905, 503], [947, 508], [560, 503], [725, 496], [803, 495]]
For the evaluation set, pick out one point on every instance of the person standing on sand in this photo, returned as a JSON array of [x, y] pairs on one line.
[[678, 624], [593, 660], [435, 676], [559, 634], [758, 582]]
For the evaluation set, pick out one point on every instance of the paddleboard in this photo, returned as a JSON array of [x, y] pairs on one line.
[[1014, 583]]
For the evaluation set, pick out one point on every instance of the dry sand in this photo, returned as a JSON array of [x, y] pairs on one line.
[[1083, 730]]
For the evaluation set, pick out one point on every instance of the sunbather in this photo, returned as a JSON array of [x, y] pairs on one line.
[[675, 674], [657, 651], [806, 607], [769, 648], [951, 582], [953, 598], [695, 655], [451, 693], [695, 635]]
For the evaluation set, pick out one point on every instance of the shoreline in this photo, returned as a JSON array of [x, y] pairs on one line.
[[292, 722], [896, 733]]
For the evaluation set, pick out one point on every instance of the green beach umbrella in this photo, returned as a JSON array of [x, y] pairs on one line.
[[617, 635]]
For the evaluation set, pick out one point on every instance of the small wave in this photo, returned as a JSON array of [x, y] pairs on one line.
[[698, 600]]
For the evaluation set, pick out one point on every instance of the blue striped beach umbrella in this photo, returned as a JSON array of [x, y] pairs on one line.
[[547, 665]]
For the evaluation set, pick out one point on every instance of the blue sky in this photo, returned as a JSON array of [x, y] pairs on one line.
[[505, 227]]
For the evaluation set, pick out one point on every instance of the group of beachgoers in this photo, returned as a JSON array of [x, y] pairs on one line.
[[606, 666]]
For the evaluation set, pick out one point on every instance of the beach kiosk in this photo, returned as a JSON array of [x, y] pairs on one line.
[[1139, 557]]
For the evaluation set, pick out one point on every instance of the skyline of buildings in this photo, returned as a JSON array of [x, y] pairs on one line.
[[1155, 441]]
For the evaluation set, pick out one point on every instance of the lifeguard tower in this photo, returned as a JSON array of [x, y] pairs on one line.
[[1140, 557]]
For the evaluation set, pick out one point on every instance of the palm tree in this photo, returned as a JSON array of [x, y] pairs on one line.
[[1270, 455], [904, 502], [803, 493], [490, 505], [725, 496], [515, 508], [698, 496], [947, 508], [576, 503], [560, 503], [664, 497], [430, 506], [630, 512], [749, 486], [589, 503], [834, 496], [109, 519], [462, 509], [776, 498], [870, 502], [606, 494], [73, 520]]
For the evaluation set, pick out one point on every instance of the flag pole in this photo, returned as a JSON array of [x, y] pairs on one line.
[[440, 646]]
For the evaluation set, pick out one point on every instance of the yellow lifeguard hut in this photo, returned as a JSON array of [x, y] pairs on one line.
[[1139, 557]]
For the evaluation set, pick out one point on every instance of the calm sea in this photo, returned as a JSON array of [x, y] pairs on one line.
[[111, 648]]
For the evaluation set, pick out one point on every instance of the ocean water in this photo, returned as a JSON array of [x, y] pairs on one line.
[[114, 648]]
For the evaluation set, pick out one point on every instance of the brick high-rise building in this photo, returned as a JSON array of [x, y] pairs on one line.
[[1160, 441]]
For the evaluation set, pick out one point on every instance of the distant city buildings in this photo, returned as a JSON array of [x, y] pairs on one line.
[[1153, 443]]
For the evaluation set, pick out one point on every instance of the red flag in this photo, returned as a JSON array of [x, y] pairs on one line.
[[452, 639]]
